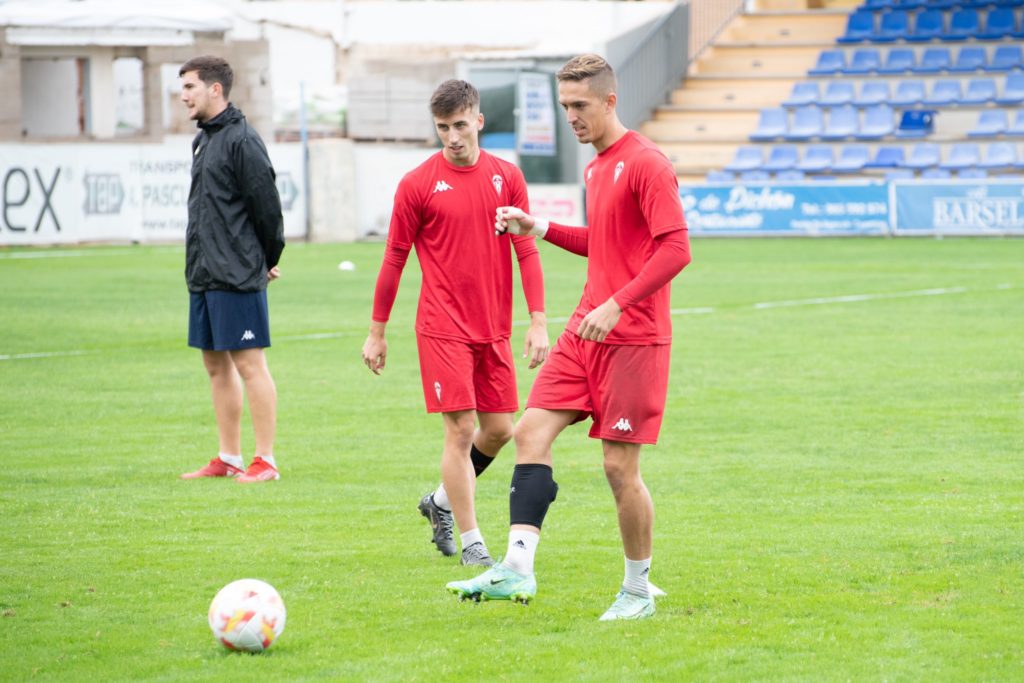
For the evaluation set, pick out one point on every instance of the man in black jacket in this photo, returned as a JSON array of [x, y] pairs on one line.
[[233, 243]]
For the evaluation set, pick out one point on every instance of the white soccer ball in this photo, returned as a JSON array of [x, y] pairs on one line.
[[247, 615]]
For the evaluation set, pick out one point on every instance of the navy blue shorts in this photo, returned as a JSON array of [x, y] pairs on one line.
[[228, 321]]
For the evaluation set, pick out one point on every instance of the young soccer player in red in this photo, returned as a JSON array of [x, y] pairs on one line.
[[445, 209], [612, 361]]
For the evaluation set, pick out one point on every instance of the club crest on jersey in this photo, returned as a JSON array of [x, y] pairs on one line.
[[618, 171], [590, 174], [496, 181]]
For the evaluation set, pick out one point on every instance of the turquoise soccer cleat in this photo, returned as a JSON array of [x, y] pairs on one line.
[[629, 606], [497, 583]]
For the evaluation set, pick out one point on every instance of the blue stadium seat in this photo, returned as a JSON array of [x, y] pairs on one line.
[[1013, 90], [878, 122], [934, 60], [991, 122], [963, 24], [895, 25], [755, 176], [804, 92], [872, 92], [781, 157], [852, 158], [842, 123], [1006, 58], [771, 126], [972, 174], [829, 62], [936, 174], [908, 93], [790, 174], [980, 91], [860, 26], [1017, 127], [837, 92], [999, 24], [928, 25], [925, 155], [910, 4], [916, 123], [999, 155], [808, 123], [817, 158], [887, 157], [898, 60], [746, 159], [944, 92], [719, 177], [1010, 3], [969, 59], [864, 61], [962, 155]]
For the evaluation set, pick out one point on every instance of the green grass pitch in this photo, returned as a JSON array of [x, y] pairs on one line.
[[839, 486]]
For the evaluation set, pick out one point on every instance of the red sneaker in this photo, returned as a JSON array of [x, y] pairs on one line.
[[215, 468], [259, 470]]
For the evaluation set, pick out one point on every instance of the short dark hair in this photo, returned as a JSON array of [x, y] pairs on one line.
[[589, 66], [211, 70], [453, 96]]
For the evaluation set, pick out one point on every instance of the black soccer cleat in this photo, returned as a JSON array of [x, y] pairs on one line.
[[442, 523]]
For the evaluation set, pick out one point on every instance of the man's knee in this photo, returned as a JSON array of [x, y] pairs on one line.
[[250, 362], [622, 469], [459, 428], [496, 433]]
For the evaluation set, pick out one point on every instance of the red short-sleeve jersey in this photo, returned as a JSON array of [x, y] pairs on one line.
[[632, 197], [446, 212]]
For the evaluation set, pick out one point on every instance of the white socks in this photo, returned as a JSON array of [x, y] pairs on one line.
[[233, 460], [522, 546], [441, 498], [470, 537], [637, 572], [269, 459]]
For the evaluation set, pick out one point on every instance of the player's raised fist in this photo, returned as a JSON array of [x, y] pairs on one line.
[[512, 220]]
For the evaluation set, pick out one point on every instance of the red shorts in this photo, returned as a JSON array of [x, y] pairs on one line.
[[622, 387], [461, 375]]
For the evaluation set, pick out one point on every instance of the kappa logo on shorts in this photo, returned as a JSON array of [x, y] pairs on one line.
[[248, 335], [623, 425], [437, 390], [497, 181], [618, 171], [442, 186]]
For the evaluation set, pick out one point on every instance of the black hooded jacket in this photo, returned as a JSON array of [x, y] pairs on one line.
[[235, 228]]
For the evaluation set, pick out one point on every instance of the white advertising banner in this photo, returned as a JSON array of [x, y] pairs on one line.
[[68, 193], [559, 203], [536, 123]]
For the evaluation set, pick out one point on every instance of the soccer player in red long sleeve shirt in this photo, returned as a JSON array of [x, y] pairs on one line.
[[444, 208], [611, 363]]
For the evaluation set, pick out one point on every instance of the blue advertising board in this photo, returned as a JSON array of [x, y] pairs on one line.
[[816, 208], [961, 207]]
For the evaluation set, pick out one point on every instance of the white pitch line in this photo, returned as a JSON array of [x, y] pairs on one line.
[[852, 298], [700, 310], [41, 354]]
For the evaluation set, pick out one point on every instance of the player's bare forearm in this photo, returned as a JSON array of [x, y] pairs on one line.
[[538, 344], [596, 325], [375, 348]]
